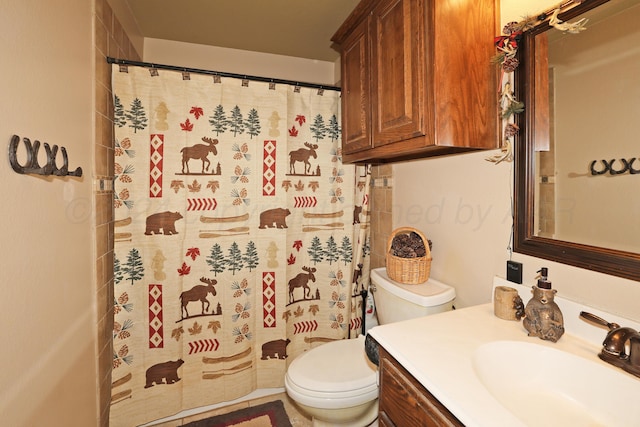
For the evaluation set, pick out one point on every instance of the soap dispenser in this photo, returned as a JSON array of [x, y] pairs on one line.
[[543, 317]]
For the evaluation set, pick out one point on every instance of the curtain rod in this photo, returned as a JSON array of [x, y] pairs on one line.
[[111, 60]]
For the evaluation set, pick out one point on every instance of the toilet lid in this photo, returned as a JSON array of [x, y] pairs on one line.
[[428, 294], [339, 368]]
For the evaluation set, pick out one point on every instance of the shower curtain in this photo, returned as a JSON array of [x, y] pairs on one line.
[[241, 240]]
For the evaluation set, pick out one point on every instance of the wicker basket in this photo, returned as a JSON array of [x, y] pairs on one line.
[[410, 271]]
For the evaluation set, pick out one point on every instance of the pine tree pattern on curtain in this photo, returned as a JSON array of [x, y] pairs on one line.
[[241, 240]]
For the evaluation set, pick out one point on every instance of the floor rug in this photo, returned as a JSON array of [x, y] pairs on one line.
[[270, 414]]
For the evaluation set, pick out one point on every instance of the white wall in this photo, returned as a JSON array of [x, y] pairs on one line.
[[47, 307], [238, 61], [462, 203]]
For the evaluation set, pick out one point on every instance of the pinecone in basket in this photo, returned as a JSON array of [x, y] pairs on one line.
[[408, 245]]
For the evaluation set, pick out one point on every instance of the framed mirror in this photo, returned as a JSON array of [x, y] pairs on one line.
[[577, 154]]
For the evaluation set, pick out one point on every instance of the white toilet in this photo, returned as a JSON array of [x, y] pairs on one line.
[[335, 383]]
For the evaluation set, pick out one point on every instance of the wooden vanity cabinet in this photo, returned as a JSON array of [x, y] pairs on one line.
[[404, 402], [417, 78]]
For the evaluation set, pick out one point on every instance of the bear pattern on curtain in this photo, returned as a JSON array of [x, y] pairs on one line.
[[241, 240]]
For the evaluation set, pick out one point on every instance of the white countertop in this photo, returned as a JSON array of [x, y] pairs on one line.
[[437, 350]]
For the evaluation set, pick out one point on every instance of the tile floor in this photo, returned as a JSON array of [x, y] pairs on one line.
[[297, 419]]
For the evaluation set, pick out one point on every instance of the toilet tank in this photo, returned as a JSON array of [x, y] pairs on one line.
[[396, 301]]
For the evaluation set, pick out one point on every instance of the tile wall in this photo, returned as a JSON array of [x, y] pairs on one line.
[[381, 218], [110, 40]]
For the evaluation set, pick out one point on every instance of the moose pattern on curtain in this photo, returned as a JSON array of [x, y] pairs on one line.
[[241, 240]]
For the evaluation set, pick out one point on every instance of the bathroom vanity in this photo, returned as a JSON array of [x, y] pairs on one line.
[[469, 367]]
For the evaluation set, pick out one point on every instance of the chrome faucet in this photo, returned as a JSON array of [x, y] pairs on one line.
[[621, 346]]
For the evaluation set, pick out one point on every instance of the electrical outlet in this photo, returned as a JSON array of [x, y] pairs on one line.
[[514, 272]]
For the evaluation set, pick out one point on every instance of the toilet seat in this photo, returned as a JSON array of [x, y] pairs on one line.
[[334, 375]]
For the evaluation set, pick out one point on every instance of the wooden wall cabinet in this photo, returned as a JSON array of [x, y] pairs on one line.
[[404, 402], [417, 79]]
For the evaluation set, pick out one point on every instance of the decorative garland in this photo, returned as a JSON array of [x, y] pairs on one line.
[[507, 46]]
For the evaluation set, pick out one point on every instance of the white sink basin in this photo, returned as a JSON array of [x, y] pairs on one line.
[[544, 386]]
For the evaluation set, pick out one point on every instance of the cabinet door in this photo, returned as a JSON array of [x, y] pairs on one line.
[[405, 402], [399, 70], [356, 87]]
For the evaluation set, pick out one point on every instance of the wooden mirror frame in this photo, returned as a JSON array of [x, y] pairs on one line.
[[604, 260]]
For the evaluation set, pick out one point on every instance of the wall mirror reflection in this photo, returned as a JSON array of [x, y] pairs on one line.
[[578, 159]]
